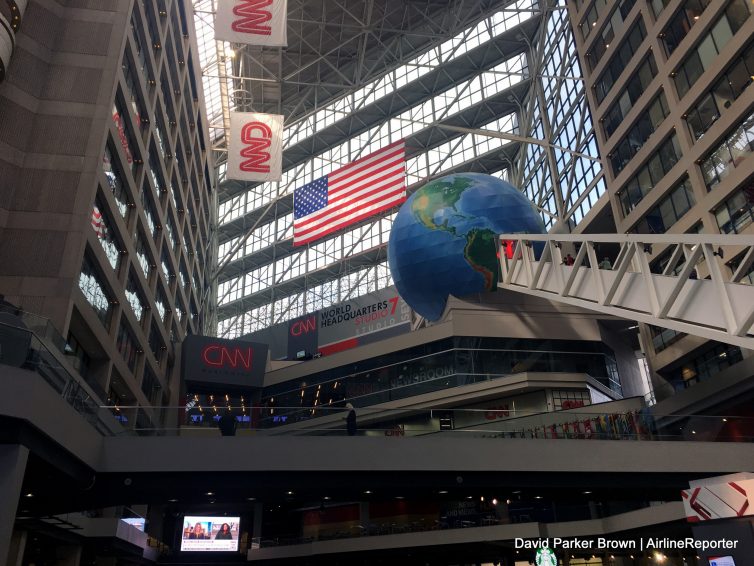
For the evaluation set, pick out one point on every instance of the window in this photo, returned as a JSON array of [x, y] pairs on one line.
[[115, 181], [639, 133], [729, 154], [648, 176], [620, 60], [711, 44], [142, 254], [668, 211], [681, 23], [590, 20], [122, 125], [93, 288], [127, 345], [736, 213], [735, 79], [162, 304], [634, 89], [135, 297], [611, 29], [104, 228], [156, 343]]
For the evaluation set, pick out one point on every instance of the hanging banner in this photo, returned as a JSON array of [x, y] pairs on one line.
[[253, 22], [255, 148]]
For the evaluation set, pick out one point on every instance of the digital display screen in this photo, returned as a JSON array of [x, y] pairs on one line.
[[209, 534], [721, 561], [137, 522]]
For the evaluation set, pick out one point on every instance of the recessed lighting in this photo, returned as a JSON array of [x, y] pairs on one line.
[[367, 492], [443, 491], [469, 497], [251, 499], [537, 497], [481, 498], [326, 498], [289, 493], [517, 491], [586, 492], [30, 494], [399, 497], [494, 501], [210, 493], [725, 420], [173, 500]]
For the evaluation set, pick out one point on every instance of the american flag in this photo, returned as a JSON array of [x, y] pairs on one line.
[[356, 191], [98, 223]]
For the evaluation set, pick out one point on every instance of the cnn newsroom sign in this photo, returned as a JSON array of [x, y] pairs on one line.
[[255, 147], [223, 362]]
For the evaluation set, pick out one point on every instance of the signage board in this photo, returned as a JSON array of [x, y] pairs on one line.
[[223, 362], [721, 497], [255, 147], [253, 22]]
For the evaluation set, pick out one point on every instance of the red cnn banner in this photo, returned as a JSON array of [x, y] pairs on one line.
[[253, 22], [255, 147]]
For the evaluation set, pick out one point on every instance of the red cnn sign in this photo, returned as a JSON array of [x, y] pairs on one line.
[[254, 155], [217, 355], [252, 17], [304, 326]]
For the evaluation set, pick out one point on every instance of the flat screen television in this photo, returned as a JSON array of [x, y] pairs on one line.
[[209, 534]]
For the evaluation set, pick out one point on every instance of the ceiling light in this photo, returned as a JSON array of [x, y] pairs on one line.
[[587, 492], [399, 497], [289, 493], [30, 494], [251, 499], [174, 500], [443, 491], [326, 498], [469, 497], [494, 501], [537, 497], [517, 491], [481, 498], [367, 492], [210, 493]]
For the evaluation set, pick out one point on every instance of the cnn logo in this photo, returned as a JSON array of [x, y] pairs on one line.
[[256, 138], [252, 17]]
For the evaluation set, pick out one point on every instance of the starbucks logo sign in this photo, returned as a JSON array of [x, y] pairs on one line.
[[545, 557]]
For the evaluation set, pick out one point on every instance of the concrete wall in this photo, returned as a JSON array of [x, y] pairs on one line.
[[55, 105]]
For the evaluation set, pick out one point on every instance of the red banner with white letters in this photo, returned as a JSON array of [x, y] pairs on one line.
[[255, 147], [253, 22]]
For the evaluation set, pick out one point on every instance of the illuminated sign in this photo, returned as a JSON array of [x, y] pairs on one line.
[[545, 557], [222, 356], [299, 327], [223, 362]]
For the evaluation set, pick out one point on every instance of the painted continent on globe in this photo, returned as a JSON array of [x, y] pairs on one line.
[[443, 239]]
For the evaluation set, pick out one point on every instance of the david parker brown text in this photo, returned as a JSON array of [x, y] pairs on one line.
[[601, 543]]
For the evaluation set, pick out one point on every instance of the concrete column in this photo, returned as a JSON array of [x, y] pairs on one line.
[[256, 527], [13, 465], [17, 548]]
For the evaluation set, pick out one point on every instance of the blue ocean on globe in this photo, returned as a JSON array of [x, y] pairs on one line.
[[443, 240]]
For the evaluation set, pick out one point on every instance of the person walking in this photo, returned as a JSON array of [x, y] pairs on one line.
[[351, 420]]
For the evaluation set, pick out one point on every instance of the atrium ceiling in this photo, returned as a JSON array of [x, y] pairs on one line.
[[491, 86]]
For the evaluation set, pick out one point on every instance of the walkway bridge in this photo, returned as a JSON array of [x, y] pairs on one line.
[[677, 281]]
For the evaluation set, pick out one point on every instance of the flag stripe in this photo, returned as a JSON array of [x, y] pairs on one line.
[[367, 186], [383, 194], [362, 216], [362, 192]]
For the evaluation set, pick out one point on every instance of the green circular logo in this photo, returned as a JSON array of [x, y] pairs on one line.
[[545, 557]]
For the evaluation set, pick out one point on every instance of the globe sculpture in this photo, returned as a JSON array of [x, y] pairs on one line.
[[443, 240]]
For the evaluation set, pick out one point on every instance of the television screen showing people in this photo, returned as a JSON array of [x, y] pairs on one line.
[[207, 534]]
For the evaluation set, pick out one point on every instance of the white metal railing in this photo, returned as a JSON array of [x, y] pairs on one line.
[[695, 293]]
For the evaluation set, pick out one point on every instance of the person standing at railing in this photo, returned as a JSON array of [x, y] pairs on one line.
[[351, 420], [227, 423]]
